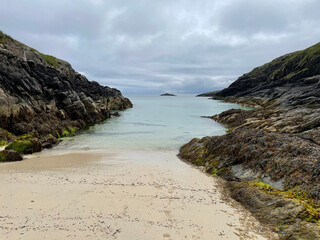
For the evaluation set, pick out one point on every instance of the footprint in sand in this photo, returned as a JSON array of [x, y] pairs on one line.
[[166, 236]]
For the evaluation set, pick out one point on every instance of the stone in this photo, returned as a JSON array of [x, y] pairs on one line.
[[9, 156], [275, 144], [45, 94]]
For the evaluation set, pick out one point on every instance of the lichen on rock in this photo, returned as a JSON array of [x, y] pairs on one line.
[[274, 144]]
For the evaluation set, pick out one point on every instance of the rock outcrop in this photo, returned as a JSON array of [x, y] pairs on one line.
[[208, 94], [270, 154], [43, 94], [9, 156], [292, 79]]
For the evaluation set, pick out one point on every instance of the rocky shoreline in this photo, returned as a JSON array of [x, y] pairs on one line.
[[270, 154], [42, 98]]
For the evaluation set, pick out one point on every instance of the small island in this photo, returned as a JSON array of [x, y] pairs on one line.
[[168, 95]]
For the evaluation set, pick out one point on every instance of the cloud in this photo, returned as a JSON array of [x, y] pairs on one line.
[[182, 46], [250, 16]]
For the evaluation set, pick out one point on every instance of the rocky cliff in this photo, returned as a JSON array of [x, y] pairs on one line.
[[270, 154], [45, 95], [292, 79]]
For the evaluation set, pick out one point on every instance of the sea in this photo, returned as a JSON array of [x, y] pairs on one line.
[[161, 123]]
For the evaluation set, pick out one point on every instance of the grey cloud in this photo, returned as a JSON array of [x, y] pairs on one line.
[[183, 46], [251, 16]]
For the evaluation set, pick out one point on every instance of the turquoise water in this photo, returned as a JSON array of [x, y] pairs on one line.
[[154, 123]]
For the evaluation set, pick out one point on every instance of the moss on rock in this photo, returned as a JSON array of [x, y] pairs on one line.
[[311, 211], [68, 131], [9, 156], [5, 137], [3, 143], [3, 37], [26, 144]]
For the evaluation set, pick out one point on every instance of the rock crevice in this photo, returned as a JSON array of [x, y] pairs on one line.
[[43, 94], [274, 148]]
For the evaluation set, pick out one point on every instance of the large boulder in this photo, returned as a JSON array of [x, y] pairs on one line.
[[9, 156], [26, 144]]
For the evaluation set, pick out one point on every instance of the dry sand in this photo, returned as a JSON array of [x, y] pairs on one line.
[[120, 195]]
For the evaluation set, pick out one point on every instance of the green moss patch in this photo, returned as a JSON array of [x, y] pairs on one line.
[[26, 144], [214, 172], [3, 38], [312, 210], [70, 131], [3, 143], [51, 60], [65, 133], [300, 59]]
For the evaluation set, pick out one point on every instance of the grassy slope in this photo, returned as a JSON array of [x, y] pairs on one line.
[[51, 60]]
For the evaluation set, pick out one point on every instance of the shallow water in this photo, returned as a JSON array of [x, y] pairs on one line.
[[121, 179], [154, 123]]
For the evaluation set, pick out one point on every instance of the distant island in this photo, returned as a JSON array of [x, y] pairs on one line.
[[168, 95]]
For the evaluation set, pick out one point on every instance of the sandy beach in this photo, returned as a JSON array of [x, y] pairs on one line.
[[117, 195]]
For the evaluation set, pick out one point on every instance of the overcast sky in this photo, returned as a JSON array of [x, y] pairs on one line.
[[155, 46]]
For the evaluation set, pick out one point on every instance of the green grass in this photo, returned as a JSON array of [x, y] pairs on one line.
[[51, 60], [3, 38], [298, 59]]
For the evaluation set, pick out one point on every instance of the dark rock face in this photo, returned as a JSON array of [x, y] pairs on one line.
[[207, 94], [277, 212], [115, 114], [293, 79], [5, 137], [48, 141], [286, 158], [44, 94], [9, 156], [276, 145]]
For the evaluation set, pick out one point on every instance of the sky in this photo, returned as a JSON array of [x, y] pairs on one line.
[[156, 46]]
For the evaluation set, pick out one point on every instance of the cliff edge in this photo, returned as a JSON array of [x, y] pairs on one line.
[[270, 154], [45, 97]]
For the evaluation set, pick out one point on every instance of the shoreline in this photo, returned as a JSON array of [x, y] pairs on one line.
[[262, 165], [119, 195]]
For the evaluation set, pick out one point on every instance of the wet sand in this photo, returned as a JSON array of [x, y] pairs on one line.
[[117, 195]]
